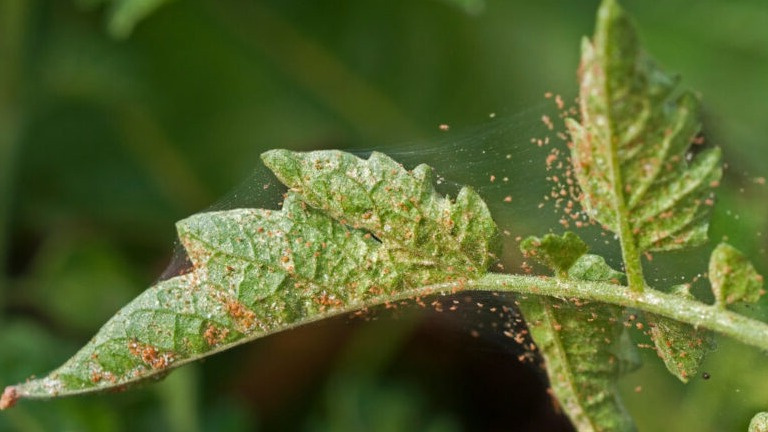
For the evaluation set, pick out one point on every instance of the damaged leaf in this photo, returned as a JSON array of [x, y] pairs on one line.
[[682, 347], [584, 345], [632, 145], [558, 253], [733, 277], [257, 272]]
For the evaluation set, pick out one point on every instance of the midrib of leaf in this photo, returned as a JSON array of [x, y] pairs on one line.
[[632, 265]]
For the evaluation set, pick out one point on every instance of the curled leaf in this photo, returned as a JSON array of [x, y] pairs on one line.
[[256, 271], [681, 346], [395, 205], [733, 277]]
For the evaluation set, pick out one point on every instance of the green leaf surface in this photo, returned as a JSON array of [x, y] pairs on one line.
[[584, 345], [733, 277], [396, 205], [634, 158], [594, 268], [558, 253], [256, 272], [633, 145], [580, 344], [681, 346]]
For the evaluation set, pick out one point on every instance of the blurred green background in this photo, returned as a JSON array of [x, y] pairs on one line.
[[108, 136]]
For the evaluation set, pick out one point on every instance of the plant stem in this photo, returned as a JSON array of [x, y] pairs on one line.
[[693, 312]]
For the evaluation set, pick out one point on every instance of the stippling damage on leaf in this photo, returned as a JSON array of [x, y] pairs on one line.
[[594, 268], [633, 155], [632, 148], [682, 347], [733, 277], [585, 346], [395, 205], [358, 233], [559, 253]]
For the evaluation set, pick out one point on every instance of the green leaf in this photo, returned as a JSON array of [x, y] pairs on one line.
[[759, 422], [257, 271], [585, 346], [631, 149], [733, 277], [633, 157], [395, 205], [559, 253], [681, 346], [594, 268], [581, 345]]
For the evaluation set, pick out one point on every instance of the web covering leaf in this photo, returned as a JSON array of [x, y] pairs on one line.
[[583, 344], [632, 146], [351, 233]]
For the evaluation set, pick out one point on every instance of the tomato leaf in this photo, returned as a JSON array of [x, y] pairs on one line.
[[733, 277], [356, 233], [584, 345], [559, 253], [632, 146], [682, 347]]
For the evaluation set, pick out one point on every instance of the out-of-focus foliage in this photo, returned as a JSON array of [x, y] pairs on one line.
[[104, 143]]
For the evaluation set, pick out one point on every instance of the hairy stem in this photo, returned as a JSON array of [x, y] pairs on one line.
[[700, 315], [695, 313]]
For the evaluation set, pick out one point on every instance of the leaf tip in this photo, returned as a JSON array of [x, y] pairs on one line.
[[9, 398], [275, 156]]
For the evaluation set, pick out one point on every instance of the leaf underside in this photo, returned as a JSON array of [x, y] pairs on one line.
[[733, 277], [585, 346], [633, 119], [557, 253], [681, 347], [359, 233], [641, 170]]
